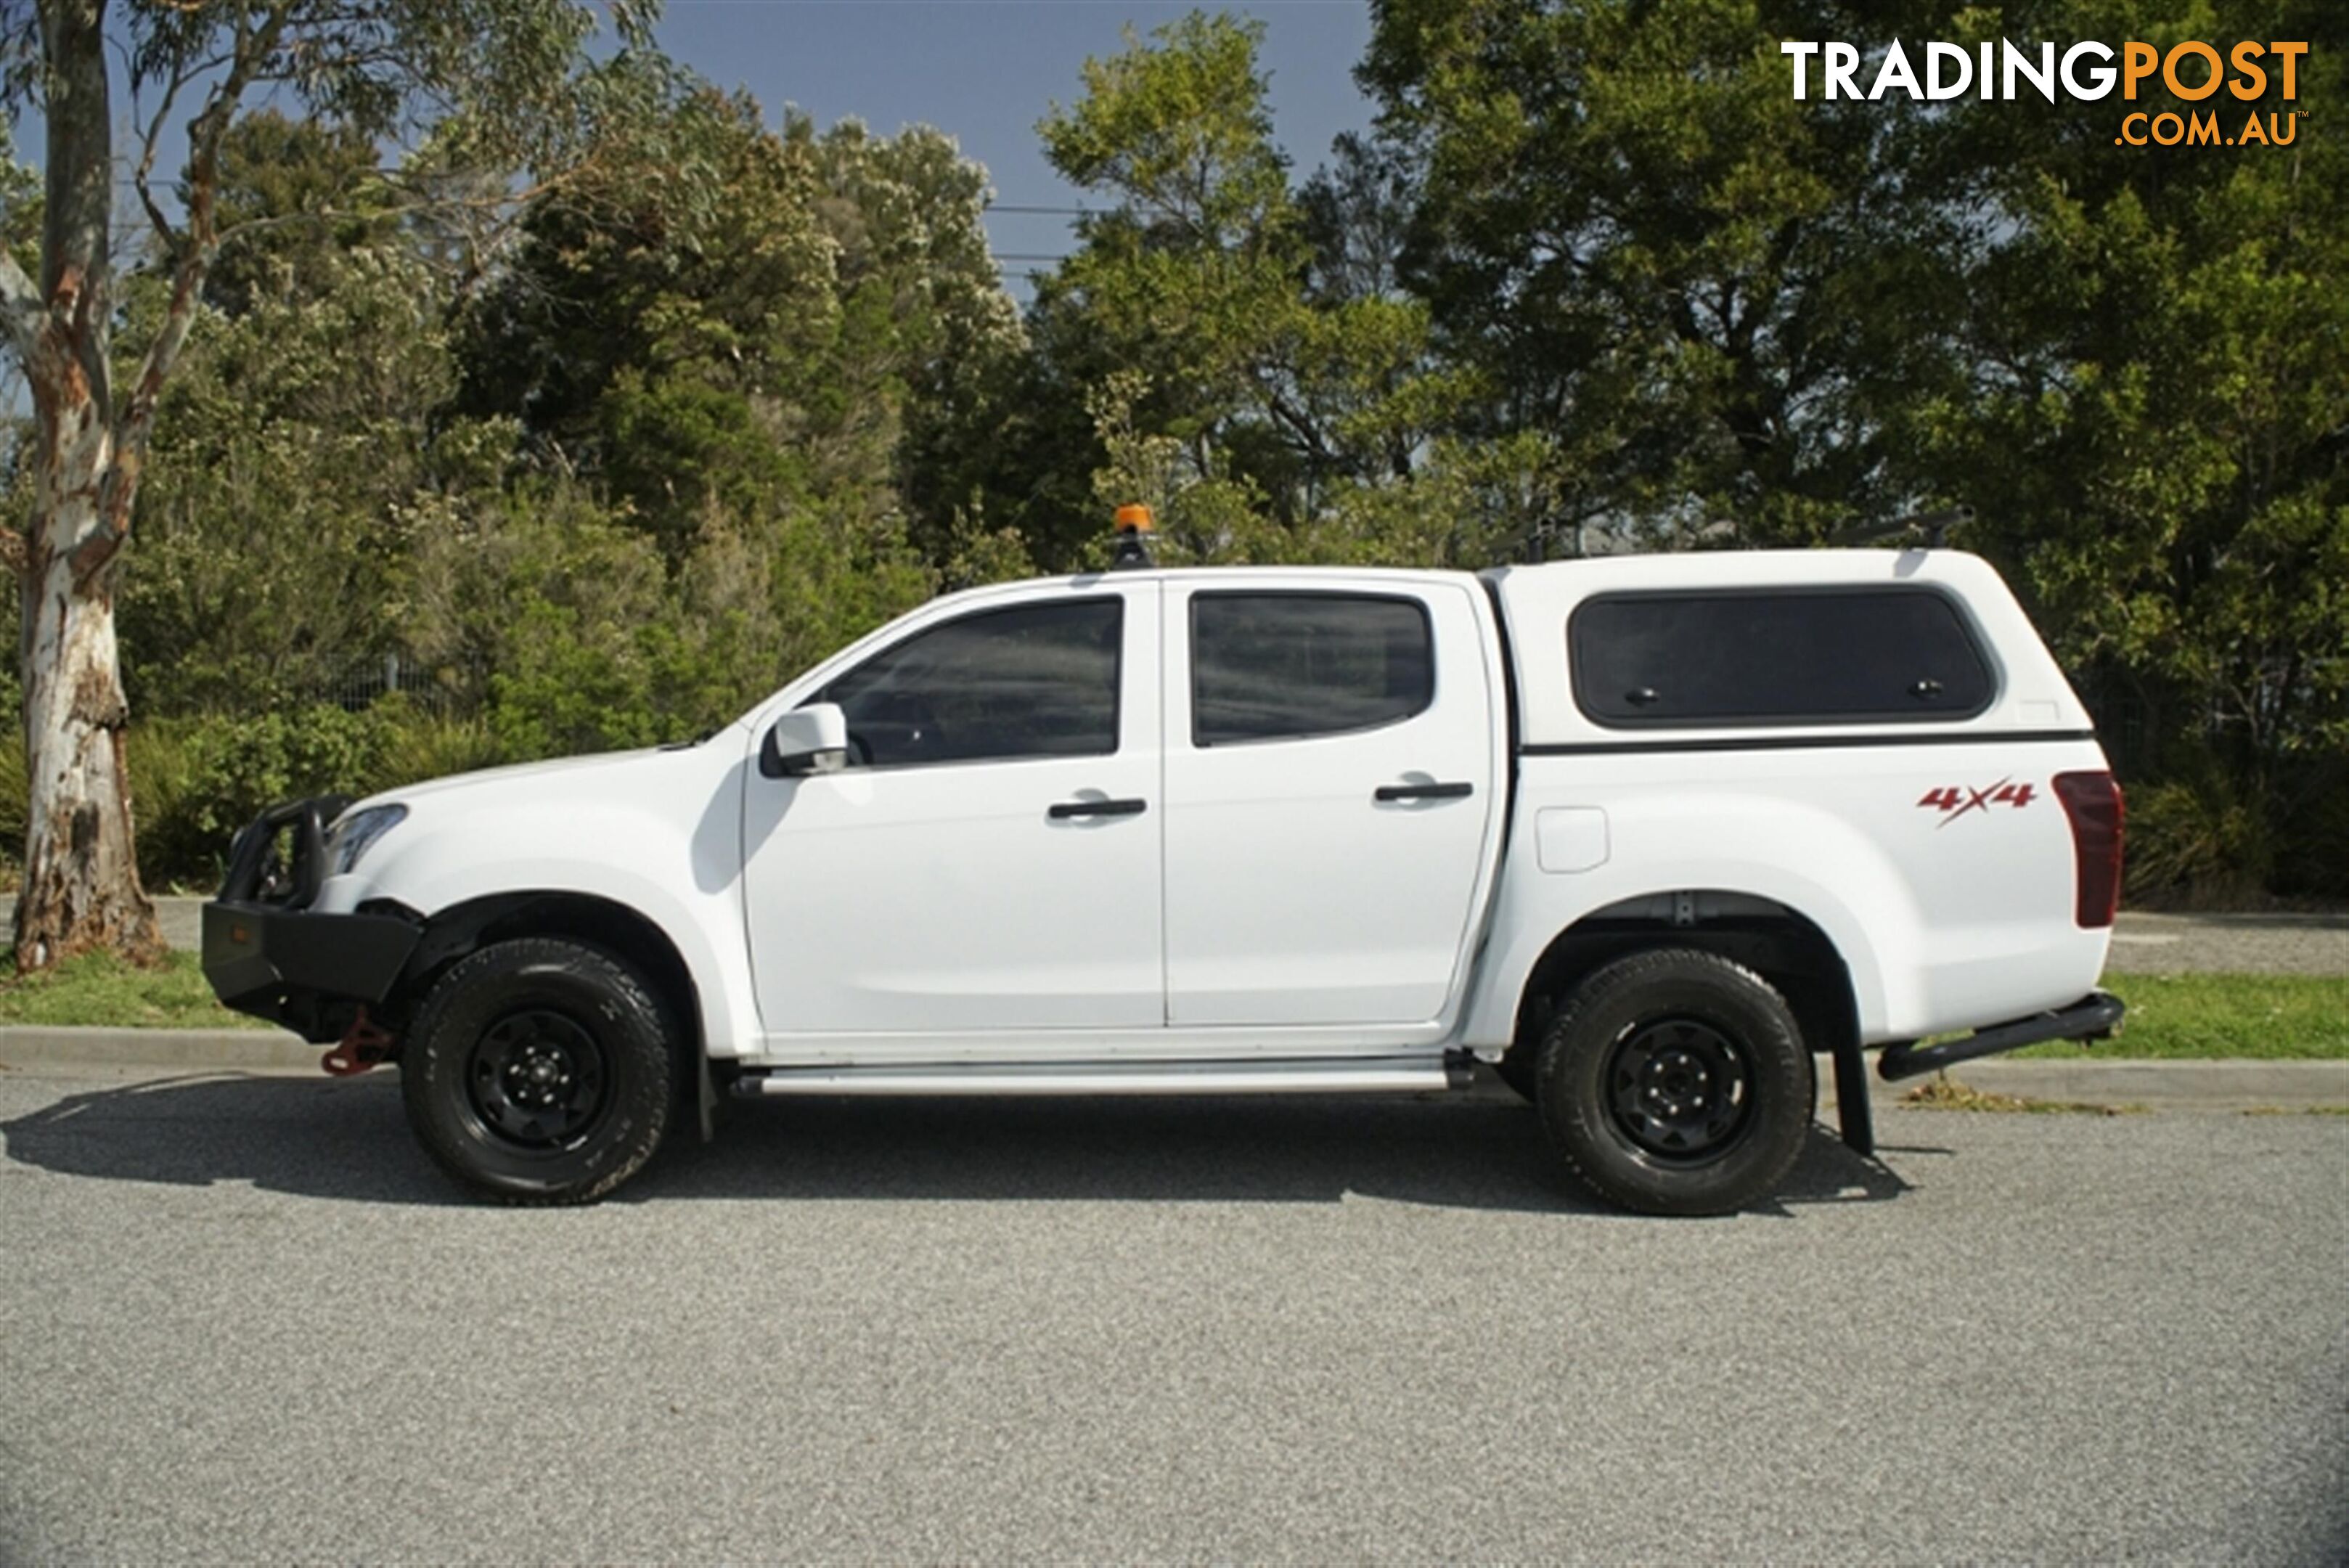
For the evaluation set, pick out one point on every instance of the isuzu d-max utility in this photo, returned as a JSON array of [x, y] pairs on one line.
[[1641, 833]]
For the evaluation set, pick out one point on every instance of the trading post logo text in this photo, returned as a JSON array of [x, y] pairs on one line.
[[2087, 71]]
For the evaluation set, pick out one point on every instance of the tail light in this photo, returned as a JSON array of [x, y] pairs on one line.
[[2093, 802]]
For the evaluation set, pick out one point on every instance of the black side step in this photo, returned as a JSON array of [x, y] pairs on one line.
[[2092, 1017]]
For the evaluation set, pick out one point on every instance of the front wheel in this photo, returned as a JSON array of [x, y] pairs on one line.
[[539, 1071], [1676, 1082]]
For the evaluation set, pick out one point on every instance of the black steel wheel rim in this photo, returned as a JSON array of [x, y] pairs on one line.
[[537, 1080], [1680, 1090]]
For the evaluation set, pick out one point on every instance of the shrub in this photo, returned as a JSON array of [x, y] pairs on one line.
[[207, 777], [15, 796], [195, 781], [2312, 859], [2197, 841]]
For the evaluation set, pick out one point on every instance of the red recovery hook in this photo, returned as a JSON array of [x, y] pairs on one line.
[[364, 1045]]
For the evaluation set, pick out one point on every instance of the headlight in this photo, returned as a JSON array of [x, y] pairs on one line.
[[355, 835]]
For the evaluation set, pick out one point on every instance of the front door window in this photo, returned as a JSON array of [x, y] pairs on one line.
[[1035, 680]]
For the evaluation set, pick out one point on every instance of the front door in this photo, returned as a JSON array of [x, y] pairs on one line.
[[990, 859], [1329, 783]]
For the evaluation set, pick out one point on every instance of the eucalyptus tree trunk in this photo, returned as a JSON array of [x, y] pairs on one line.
[[81, 887]]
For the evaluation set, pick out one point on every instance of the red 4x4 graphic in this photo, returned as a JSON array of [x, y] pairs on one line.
[[1954, 801]]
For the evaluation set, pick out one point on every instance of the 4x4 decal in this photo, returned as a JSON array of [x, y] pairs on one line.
[[1954, 801]]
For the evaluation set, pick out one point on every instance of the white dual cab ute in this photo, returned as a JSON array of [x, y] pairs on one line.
[[1643, 833]]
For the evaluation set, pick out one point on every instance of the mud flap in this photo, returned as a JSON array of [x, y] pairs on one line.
[[1852, 1109]]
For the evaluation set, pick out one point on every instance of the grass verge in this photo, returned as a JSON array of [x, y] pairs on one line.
[[99, 988], [2208, 1017]]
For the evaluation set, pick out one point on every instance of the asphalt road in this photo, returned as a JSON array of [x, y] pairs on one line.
[[242, 1320]]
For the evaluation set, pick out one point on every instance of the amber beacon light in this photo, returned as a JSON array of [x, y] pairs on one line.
[[1133, 525]]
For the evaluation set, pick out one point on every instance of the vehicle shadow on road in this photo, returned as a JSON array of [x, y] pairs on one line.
[[322, 1138], [347, 1140], [1451, 1151]]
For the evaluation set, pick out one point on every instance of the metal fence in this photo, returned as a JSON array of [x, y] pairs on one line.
[[451, 688]]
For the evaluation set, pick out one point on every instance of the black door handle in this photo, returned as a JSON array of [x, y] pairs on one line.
[[1422, 792], [1066, 809]]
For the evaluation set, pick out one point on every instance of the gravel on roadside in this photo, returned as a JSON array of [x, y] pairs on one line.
[[2145, 943]]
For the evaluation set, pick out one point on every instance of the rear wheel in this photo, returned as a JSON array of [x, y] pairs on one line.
[[1676, 1082], [540, 1071]]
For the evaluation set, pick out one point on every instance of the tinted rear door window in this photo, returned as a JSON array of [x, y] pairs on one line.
[[1777, 658], [1271, 667]]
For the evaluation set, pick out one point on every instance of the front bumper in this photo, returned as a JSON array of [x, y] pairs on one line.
[[267, 954], [2093, 1017], [291, 966]]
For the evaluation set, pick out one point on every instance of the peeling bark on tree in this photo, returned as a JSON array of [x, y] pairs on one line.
[[81, 884], [81, 887]]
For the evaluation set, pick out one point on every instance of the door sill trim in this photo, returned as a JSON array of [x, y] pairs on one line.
[[1362, 1074]]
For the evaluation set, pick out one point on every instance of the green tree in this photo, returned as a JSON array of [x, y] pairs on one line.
[[1711, 301], [499, 84], [1250, 370], [297, 454], [293, 195], [761, 344], [1718, 312], [2152, 424], [650, 320]]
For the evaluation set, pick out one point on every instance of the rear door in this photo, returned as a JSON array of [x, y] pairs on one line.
[[1331, 759]]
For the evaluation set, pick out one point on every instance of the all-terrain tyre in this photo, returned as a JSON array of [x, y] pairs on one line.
[[541, 1071], [1676, 1082]]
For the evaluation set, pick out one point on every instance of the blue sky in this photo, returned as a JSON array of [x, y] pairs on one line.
[[985, 71]]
